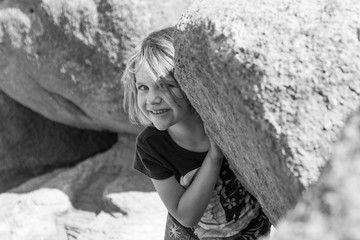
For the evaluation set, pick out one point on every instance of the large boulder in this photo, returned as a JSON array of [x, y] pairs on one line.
[[31, 144], [273, 82], [331, 208], [64, 59]]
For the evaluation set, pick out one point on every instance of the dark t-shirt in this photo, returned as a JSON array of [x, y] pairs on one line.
[[231, 207]]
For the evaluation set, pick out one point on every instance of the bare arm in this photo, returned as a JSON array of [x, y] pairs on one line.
[[188, 205]]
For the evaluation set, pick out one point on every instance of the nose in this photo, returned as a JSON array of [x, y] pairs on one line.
[[154, 97]]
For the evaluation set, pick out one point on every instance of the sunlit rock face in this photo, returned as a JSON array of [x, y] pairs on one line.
[[31, 145], [331, 208], [48, 214], [273, 81], [100, 198], [64, 59]]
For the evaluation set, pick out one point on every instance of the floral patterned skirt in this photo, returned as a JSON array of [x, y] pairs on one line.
[[260, 226]]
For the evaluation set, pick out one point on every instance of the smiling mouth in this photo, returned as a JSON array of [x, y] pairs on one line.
[[157, 112]]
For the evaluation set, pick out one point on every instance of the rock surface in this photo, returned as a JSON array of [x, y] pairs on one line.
[[64, 59], [331, 207], [33, 216], [100, 198], [88, 183], [273, 81], [31, 144], [47, 214]]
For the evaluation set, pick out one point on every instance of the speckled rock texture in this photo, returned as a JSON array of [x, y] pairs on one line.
[[331, 207], [64, 59], [101, 198], [47, 214], [273, 81], [31, 144]]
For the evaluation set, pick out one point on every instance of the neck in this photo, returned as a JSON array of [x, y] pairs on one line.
[[191, 136]]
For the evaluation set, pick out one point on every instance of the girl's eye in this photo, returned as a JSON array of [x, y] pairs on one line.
[[142, 88], [172, 85], [168, 83]]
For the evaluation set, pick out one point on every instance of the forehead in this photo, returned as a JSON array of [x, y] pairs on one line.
[[143, 73]]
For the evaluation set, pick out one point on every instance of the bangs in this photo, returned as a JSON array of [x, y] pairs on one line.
[[157, 61]]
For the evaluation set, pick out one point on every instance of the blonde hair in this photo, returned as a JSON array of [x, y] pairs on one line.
[[156, 53]]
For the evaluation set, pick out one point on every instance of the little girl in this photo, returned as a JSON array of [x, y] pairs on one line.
[[203, 197]]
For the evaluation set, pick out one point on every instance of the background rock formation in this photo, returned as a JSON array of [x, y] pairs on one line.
[[99, 198], [273, 81], [64, 59], [330, 209], [31, 145]]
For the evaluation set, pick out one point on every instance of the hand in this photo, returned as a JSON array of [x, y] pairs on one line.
[[215, 152]]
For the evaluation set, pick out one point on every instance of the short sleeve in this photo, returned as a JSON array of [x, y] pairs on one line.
[[147, 162]]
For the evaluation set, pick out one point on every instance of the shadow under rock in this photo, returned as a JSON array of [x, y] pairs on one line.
[[115, 176], [32, 145]]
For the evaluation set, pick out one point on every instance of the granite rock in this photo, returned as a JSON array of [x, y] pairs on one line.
[[273, 82], [330, 209], [64, 59]]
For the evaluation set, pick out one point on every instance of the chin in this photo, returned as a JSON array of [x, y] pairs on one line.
[[161, 127]]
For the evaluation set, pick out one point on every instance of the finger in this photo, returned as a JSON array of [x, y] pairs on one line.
[[206, 128]]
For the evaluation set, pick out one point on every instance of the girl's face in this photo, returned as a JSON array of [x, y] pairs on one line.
[[156, 102]]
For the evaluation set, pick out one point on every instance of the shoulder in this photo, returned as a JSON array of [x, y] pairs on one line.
[[146, 134], [153, 142], [149, 154], [151, 138]]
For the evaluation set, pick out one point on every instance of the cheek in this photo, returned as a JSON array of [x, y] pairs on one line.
[[140, 101], [179, 99]]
